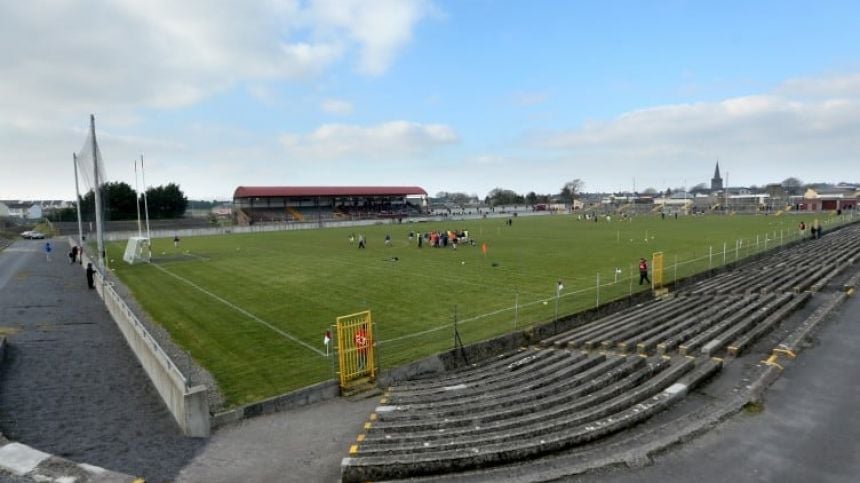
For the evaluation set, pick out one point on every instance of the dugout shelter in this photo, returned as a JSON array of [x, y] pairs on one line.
[[279, 204]]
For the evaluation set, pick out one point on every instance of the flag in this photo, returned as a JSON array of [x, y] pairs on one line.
[[327, 337]]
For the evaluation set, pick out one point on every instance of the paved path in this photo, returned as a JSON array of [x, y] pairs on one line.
[[70, 386]]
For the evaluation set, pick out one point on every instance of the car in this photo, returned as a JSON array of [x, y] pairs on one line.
[[35, 235], [26, 234]]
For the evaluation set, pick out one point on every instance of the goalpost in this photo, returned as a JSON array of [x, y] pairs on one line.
[[137, 250]]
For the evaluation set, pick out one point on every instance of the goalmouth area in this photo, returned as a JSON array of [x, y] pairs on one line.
[[253, 308]]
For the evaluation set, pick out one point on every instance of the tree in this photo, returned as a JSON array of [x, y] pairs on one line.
[[166, 201], [117, 198], [649, 191], [668, 192], [64, 214], [459, 199], [531, 198], [792, 186], [500, 196], [571, 189], [700, 188]]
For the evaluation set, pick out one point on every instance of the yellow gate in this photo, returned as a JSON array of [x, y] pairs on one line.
[[355, 348], [657, 270]]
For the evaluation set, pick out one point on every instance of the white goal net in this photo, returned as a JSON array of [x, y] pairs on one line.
[[137, 250]]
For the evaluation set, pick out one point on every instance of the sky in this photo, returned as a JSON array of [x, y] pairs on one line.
[[449, 95]]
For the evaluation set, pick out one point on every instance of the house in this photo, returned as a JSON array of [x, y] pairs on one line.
[[25, 210], [831, 200]]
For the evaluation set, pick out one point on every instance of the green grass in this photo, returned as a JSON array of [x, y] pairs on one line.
[[300, 281]]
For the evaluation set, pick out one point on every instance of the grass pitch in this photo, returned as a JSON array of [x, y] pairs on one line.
[[253, 308]]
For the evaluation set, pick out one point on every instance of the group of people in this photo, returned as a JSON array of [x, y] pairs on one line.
[[814, 231], [442, 238], [433, 238], [75, 256]]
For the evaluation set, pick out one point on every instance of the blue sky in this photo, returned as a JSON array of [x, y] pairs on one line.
[[448, 95]]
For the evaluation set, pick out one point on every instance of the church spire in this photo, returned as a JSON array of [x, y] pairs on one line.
[[717, 180]]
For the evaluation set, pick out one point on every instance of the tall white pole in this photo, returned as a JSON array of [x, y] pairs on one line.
[[145, 203], [137, 200], [100, 235], [78, 202]]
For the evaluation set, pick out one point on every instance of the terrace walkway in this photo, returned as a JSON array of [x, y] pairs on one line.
[[69, 385]]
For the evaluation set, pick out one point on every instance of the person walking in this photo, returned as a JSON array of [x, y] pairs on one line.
[[643, 271], [74, 254], [91, 276], [48, 250], [361, 240]]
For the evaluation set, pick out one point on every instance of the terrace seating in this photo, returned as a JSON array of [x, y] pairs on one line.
[[587, 383]]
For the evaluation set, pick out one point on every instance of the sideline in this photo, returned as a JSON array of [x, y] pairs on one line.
[[241, 310]]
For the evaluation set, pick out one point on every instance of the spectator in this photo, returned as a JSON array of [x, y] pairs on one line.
[[643, 271], [91, 276]]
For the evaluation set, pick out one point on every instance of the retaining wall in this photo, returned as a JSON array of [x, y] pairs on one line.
[[189, 405]]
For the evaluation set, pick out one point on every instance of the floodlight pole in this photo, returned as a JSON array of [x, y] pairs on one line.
[[78, 202], [100, 242]]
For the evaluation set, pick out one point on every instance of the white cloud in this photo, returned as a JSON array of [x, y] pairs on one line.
[[79, 56], [336, 106], [805, 128], [380, 27], [386, 141]]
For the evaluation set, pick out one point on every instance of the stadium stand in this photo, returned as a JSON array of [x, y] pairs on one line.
[[280, 204], [594, 380]]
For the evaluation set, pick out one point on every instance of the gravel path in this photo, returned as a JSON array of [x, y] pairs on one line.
[[70, 386]]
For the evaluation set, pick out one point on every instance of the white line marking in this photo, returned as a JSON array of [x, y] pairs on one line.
[[240, 310]]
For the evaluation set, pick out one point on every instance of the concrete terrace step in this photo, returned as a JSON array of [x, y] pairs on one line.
[[696, 326], [503, 379], [530, 426], [594, 380], [744, 341], [581, 372], [510, 360], [539, 415], [637, 311], [610, 385], [758, 308], [364, 468]]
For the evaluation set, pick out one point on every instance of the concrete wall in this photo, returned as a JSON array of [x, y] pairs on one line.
[[189, 405], [301, 397]]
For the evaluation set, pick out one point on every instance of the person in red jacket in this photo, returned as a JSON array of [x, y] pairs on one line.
[[359, 338], [643, 271]]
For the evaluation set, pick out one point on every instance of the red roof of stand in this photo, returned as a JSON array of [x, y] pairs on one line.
[[310, 191]]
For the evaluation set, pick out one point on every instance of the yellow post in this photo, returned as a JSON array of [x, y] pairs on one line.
[[355, 348], [657, 270]]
